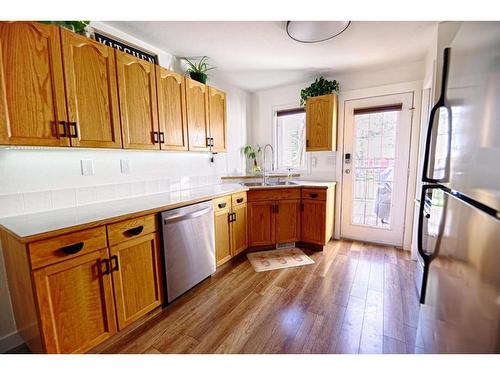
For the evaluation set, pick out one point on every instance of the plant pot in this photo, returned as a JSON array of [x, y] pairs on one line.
[[200, 77]]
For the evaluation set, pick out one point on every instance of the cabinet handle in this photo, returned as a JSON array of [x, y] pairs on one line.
[[208, 142], [65, 129], [313, 195], [162, 137], [277, 208], [75, 127], [212, 142], [307, 142], [72, 249], [302, 206], [229, 218], [106, 271], [222, 205], [155, 137], [234, 216], [116, 266], [134, 231], [239, 200]]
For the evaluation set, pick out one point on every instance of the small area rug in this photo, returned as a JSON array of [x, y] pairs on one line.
[[276, 259]]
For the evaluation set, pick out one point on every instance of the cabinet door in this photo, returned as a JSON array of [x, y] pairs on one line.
[[261, 223], [197, 115], [137, 280], [171, 109], [222, 237], [91, 92], [239, 229], [75, 302], [313, 221], [288, 221], [217, 116], [138, 103], [32, 102], [321, 123]]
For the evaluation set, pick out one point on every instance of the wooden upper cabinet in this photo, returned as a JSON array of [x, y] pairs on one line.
[[137, 278], [172, 110], [197, 115], [321, 123], [138, 102], [75, 303], [217, 119], [91, 92], [31, 85]]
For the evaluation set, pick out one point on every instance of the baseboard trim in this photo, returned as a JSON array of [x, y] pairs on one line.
[[10, 342]]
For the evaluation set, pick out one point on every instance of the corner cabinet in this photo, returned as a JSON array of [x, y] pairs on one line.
[[197, 115], [91, 92], [32, 99], [321, 123], [138, 102], [217, 117]]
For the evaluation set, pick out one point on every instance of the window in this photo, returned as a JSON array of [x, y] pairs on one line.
[[291, 139]]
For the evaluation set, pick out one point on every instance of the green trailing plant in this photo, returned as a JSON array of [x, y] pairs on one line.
[[76, 26], [251, 153], [198, 69], [319, 87]]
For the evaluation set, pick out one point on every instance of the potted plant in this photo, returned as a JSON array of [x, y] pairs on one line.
[[319, 87], [79, 27], [198, 70], [251, 153]]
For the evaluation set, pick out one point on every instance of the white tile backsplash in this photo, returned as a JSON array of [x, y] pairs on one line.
[[37, 201], [86, 195], [63, 198], [11, 204]]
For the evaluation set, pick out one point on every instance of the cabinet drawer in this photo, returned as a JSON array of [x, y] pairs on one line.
[[239, 198], [222, 203], [53, 250], [269, 194], [314, 193], [127, 229]]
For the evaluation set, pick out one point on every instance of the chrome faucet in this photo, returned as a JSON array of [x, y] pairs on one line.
[[264, 172]]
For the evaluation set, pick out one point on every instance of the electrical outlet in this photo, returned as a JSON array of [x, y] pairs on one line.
[[314, 161], [87, 167], [125, 166]]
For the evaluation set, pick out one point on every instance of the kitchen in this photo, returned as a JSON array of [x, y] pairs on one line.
[[144, 209]]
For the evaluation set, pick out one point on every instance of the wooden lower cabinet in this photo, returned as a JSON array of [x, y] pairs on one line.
[[261, 223], [222, 236], [75, 303], [239, 235], [288, 221], [137, 278], [313, 221]]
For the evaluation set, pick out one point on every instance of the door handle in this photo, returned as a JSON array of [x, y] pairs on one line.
[[347, 171]]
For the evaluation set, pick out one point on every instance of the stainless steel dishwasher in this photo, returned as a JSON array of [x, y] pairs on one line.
[[189, 247]]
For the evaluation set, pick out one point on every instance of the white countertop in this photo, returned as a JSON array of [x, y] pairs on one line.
[[43, 222]]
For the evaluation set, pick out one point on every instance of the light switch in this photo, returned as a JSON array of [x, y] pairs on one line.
[[87, 166], [125, 166], [314, 161]]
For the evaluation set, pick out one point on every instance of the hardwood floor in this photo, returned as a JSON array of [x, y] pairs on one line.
[[356, 298]]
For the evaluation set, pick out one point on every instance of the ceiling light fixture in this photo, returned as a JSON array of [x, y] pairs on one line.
[[315, 31]]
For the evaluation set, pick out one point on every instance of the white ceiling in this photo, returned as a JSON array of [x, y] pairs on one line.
[[259, 55]]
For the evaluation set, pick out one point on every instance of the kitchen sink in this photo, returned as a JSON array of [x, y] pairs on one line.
[[272, 183]]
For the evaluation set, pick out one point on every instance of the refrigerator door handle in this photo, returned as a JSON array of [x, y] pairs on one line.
[[440, 104]]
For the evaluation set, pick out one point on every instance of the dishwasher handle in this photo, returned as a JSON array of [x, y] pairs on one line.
[[190, 215]]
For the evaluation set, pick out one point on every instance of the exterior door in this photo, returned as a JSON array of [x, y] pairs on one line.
[[137, 280], [261, 223], [32, 102], [217, 116], [288, 221], [75, 299], [138, 102], [91, 92], [375, 168], [172, 110], [197, 115]]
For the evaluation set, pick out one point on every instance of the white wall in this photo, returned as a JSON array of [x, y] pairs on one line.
[[42, 179], [266, 102]]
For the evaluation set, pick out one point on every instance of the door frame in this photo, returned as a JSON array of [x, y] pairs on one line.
[[414, 87]]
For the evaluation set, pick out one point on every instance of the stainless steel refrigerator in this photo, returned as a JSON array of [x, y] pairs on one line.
[[459, 219]]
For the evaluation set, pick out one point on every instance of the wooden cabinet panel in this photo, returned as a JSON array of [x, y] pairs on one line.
[[75, 303], [172, 109], [131, 228], [239, 238], [318, 194], [321, 123], [313, 221], [137, 277], [261, 223], [32, 101], [239, 198], [222, 236], [217, 119], [288, 221], [269, 194], [138, 102], [91, 92], [197, 115], [222, 203]]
